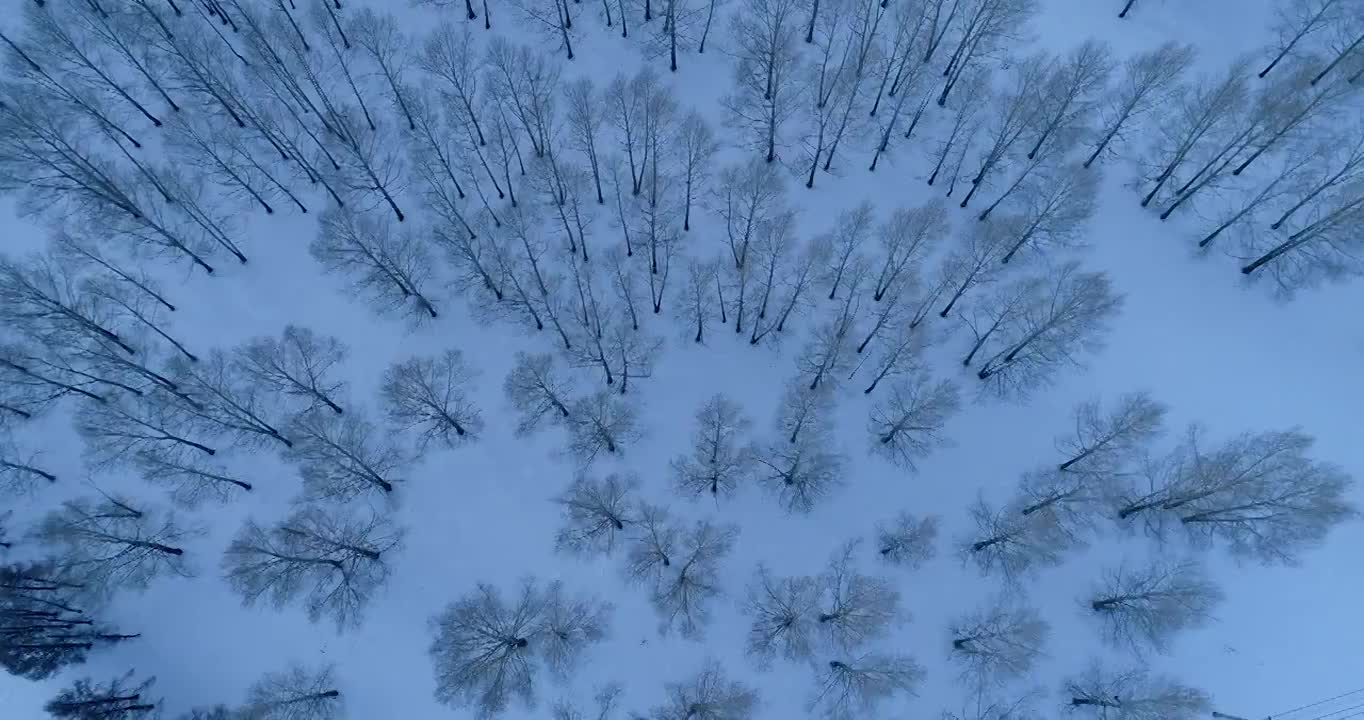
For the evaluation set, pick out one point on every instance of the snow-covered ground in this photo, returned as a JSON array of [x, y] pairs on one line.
[[1215, 351]]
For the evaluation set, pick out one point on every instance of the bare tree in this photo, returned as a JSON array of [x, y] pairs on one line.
[[1298, 21], [26, 391], [119, 429], [45, 622], [430, 394], [766, 81], [688, 588], [653, 547], [606, 699], [845, 244], [908, 540], [597, 513], [84, 252], [388, 51], [829, 350], [569, 626], [1067, 504], [908, 425], [1072, 90], [537, 391], [858, 686], [1201, 115], [906, 239], [1145, 607], [552, 18], [297, 693], [587, 110], [20, 471], [485, 650], [1290, 173], [748, 195], [1105, 441], [224, 402], [1258, 493], [1067, 319], [998, 642], [134, 310], [1053, 213], [1149, 81], [601, 422], [332, 559], [987, 25], [1323, 250], [41, 298], [1133, 694], [696, 297], [113, 543], [719, 461], [447, 55], [117, 699], [707, 695], [1016, 113], [698, 151], [295, 365], [784, 614], [801, 473], [189, 480], [340, 457], [1014, 544], [390, 267], [853, 608]]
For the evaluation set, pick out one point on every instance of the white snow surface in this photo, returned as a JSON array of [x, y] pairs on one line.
[[1216, 351]]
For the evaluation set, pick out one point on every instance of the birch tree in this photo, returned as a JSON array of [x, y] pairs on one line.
[[998, 642], [116, 699], [1013, 544], [907, 540], [537, 390], [597, 513], [189, 480], [1144, 607], [799, 474], [1132, 693], [341, 457], [1106, 441], [113, 543], [719, 459], [603, 422], [331, 559], [20, 472], [783, 614], [908, 424], [765, 76], [487, 651], [224, 402], [1149, 81], [687, 589], [46, 624], [390, 267], [854, 608], [1067, 319], [1257, 493], [709, 694], [987, 25], [430, 394], [858, 686], [296, 693], [296, 365]]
